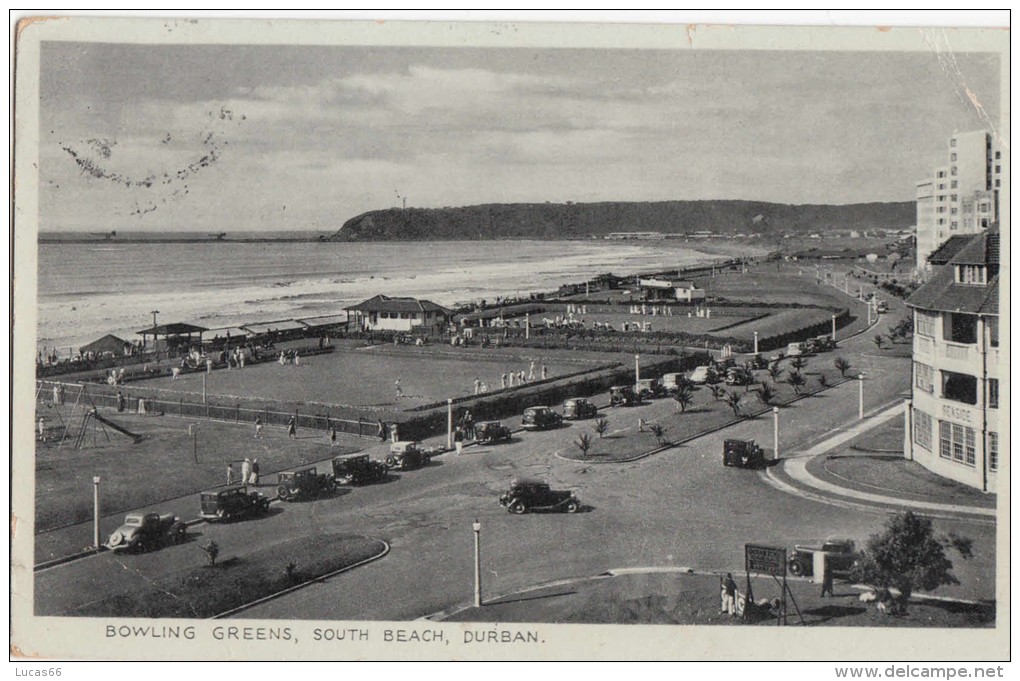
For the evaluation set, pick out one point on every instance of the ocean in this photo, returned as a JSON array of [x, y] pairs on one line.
[[87, 290]]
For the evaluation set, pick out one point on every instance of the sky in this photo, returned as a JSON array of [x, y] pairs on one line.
[[217, 137]]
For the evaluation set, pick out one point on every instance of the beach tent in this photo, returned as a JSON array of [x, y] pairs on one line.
[[108, 344]]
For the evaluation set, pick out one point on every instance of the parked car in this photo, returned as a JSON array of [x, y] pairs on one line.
[[623, 396], [795, 349], [743, 454], [739, 376], [534, 495], [230, 503], [756, 362], [540, 418], [145, 531], [810, 346], [842, 557], [358, 469], [704, 374], [882, 307], [407, 455], [649, 388], [488, 432], [670, 382], [579, 408], [304, 483], [722, 364], [823, 343]]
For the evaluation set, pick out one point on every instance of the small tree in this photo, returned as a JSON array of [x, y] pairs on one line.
[[659, 432], [766, 392], [717, 392], [584, 443], [798, 363], [684, 396], [601, 426], [908, 556], [732, 398], [878, 340], [212, 550], [774, 372], [796, 381], [823, 381], [842, 365]]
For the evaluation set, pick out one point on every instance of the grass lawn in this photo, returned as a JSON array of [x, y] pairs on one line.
[[235, 580], [706, 413], [366, 378], [161, 466], [695, 599]]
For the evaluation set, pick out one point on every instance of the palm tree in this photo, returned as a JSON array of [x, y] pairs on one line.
[[842, 365], [601, 426], [732, 398], [798, 363], [684, 396], [878, 340], [796, 381], [766, 392], [659, 432], [823, 380], [717, 392], [584, 443], [774, 372]]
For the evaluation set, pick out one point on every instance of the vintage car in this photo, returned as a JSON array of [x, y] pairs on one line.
[[823, 343], [670, 382], [842, 557], [358, 469], [305, 483], [407, 455], [623, 396], [704, 374], [578, 408], [540, 418], [743, 454], [756, 362], [230, 503], [881, 307], [649, 388], [144, 531], [535, 495], [488, 432], [795, 349], [738, 376]]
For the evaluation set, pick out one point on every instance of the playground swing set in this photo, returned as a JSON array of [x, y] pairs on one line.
[[84, 414]]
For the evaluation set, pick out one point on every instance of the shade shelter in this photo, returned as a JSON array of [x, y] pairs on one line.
[[107, 345], [174, 335]]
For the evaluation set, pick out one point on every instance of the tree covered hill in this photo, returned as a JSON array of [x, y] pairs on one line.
[[578, 220]]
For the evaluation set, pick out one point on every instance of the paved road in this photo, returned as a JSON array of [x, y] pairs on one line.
[[680, 507]]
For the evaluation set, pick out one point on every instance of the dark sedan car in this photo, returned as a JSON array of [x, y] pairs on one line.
[[540, 418], [535, 495], [230, 503]]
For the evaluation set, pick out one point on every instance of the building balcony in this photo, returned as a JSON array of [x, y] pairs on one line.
[[958, 352]]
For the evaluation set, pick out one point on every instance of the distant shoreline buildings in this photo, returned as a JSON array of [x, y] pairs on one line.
[[960, 197]]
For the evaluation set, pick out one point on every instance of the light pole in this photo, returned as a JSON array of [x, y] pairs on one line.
[[95, 503], [775, 432], [154, 313], [449, 423], [527, 326], [868, 305], [860, 396], [477, 527], [755, 342], [637, 370], [833, 328]]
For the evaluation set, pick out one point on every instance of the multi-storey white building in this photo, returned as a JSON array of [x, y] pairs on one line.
[[953, 416], [961, 197]]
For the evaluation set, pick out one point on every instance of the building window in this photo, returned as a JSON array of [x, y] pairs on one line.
[[384, 315], [953, 197], [959, 387], [924, 324], [922, 429], [952, 143], [998, 183], [956, 442], [953, 184], [993, 393], [998, 169], [405, 315], [992, 326], [998, 155], [959, 328], [952, 157], [942, 173], [952, 171], [970, 274], [993, 451], [924, 377]]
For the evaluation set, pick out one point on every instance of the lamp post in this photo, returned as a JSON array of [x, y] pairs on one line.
[[637, 370], [154, 313], [755, 342], [860, 396], [775, 432], [477, 527], [449, 423], [95, 503], [527, 326], [833, 328]]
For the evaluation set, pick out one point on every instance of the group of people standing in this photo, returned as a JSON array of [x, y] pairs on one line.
[[513, 379], [249, 472]]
